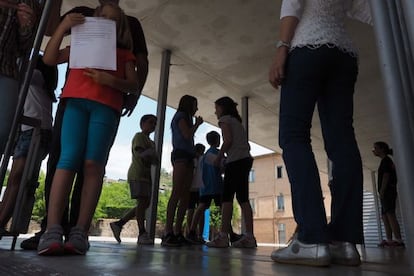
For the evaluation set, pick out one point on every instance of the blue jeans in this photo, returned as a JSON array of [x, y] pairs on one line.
[[324, 77], [10, 95]]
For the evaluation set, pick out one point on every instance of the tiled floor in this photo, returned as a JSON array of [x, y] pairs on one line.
[[106, 257]]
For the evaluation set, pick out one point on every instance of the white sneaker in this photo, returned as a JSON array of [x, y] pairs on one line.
[[145, 239], [304, 254], [344, 253], [245, 242], [220, 241]]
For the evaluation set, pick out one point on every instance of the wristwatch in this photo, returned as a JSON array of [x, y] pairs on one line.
[[281, 43]]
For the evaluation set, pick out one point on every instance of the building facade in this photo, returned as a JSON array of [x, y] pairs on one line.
[[271, 199]]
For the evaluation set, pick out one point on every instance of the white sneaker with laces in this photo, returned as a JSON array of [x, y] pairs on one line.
[[303, 254]]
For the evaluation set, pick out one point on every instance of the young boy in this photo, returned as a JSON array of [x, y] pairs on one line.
[[195, 186], [212, 188], [139, 179]]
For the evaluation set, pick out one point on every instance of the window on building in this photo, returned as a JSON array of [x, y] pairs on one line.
[[280, 202], [279, 172], [252, 176], [253, 205], [281, 233]]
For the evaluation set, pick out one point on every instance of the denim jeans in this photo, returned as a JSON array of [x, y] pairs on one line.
[[325, 77], [10, 94]]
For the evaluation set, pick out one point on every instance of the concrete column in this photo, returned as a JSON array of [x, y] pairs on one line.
[[377, 207], [394, 60], [245, 115], [245, 122], [159, 139]]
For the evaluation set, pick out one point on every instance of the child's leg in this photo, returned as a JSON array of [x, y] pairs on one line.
[[184, 198], [226, 215], [201, 224], [73, 143], [91, 191], [242, 194], [10, 195], [127, 216], [247, 214], [179, 190], [143, 204], [190, 217], [197, 216], [102, 127], [59, 195]]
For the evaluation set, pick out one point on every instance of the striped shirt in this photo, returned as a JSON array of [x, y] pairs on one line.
[[14, 40]]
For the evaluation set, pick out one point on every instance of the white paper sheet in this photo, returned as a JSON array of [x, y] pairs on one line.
[[93, 44]]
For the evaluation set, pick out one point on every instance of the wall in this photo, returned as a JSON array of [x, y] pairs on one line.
[[263, 194]]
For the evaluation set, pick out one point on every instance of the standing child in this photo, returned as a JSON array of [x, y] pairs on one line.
[[93, 104], [387, 191], [236, 174], [38, 105], [212, 185], [182, 156], [18, 21], [196, 184], [139, 179]]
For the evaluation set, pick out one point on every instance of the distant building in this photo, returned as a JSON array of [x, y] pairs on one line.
[[271, 199]]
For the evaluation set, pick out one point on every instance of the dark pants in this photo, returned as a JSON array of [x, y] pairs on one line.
[[324, 77], [236, 180]]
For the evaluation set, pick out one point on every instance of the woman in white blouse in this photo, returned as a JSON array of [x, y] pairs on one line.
[[316, 64]]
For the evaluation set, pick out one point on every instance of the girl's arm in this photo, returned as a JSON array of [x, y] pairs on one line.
[[287, 30], [53, 55], [385, 178], [227, 141], [188, 132], [129, 85]]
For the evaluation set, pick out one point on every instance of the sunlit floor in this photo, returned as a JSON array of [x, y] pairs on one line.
[[106, 257]]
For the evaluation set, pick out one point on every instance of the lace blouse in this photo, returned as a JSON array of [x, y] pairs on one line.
[[322, 22]]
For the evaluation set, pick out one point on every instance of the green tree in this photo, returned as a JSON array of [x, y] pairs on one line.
[[6, 178], [39, 208], [115, 198], [114, 201]]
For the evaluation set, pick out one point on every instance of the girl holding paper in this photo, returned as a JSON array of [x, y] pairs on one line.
[[93, 104]]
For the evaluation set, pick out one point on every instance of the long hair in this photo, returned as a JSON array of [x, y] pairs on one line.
[[384, 147], [186, 105], [123, 32], [229, 107]]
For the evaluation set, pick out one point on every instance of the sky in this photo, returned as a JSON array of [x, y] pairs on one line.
[[120, 155]]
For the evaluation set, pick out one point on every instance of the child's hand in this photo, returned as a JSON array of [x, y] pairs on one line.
[[99, 77], [199, 120], [72, 19]]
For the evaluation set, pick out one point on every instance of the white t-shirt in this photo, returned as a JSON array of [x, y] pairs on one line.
[[240, 147], [38, 104]]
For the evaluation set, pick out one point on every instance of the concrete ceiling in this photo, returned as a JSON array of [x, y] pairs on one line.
[[226, 47]]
